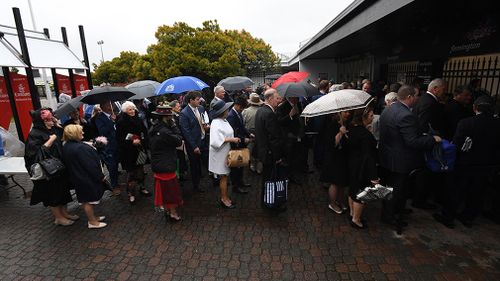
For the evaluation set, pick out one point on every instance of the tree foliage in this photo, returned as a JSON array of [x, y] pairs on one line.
[[207, 52]]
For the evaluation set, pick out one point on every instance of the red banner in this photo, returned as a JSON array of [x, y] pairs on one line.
[[5, 109], [81, 83], [24, 105], [63, 84]]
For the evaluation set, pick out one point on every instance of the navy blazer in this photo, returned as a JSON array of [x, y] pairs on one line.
[[190, 128], [401, 144], [106, 127], [236, 120]]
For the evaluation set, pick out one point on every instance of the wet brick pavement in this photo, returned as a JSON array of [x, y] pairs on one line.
[[304, 243]]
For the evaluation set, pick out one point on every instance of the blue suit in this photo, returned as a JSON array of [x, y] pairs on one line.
[[191, 132], [236, 120], [106, 127]]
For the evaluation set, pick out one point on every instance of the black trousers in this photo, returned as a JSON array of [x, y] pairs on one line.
[[236, 176], [195, 166], [465, 188], [393, 208]]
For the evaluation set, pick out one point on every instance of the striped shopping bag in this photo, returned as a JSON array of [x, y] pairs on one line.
[[275, 193]]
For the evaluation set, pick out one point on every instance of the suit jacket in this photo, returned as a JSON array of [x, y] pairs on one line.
[[269, 138], [430, 114], [454, 112], [292, 127], [190, 128], [106, 127], [484, 131], [401, 144], [235, 119], [212, 103]]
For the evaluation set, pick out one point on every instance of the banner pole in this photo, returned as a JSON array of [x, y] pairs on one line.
[[70, 71], [12, 100], [85, 56], [35, 97]]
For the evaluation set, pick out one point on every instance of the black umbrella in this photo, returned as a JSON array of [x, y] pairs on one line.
[[273, 76], [67, 107], [235, 83], [102, 94], [301, 89]]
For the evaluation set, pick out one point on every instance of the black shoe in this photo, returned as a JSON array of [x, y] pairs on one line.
[[424, 205], [354, 225], [240, 190], [466, 222], [174, 220], [444, 221], [232, 206]]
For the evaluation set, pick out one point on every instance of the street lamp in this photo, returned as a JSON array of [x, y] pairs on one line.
[[100, 42]]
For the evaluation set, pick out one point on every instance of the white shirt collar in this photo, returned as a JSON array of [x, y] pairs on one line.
[[107, 114], [269, 106], [193, 108], [433, 96]]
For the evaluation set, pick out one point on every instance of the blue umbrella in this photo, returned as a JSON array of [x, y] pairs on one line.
[[180, 84]]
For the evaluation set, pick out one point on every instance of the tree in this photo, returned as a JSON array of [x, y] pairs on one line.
[[207, 52]]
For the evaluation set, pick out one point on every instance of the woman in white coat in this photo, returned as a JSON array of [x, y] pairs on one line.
[[221, 135]]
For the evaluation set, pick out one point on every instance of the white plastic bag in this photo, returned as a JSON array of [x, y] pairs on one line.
[[12, 146]]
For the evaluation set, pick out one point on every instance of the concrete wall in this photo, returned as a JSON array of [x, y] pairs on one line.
[[317, 66]]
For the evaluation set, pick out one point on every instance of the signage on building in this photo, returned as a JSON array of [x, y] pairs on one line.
[[22, 96], [81, 83], [6, 115], [63, 84]]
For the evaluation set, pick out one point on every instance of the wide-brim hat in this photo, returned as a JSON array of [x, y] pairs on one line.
[[255, 99], [163, 110], [219, 108]]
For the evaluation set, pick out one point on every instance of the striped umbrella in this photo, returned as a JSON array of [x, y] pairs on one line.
[[338, 101]]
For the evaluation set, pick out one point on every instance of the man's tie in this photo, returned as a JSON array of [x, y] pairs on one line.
[[198, 116]]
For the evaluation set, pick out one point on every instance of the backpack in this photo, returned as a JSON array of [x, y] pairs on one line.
[[442, 157]]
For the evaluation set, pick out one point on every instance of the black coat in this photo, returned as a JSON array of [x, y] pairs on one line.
[[335, 169], [454, 112], [362, 161], [163, 141], [292, 127], [401, 144], [236, 121], [269, 138], [430, 114], [484, 130], [127, 152], [84, 169]]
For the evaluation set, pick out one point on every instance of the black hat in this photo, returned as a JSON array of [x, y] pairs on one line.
[[219, 108], [484, 100]]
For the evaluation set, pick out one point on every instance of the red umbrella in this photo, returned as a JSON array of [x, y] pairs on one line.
[[291, 77]]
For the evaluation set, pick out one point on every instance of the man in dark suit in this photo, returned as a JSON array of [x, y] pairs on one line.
[[478, 155], [193, 129], [269, 139], [288, 113], [431, 118], [219, 94], [401, 150], [235, 118], [457, 109], [105, 126]]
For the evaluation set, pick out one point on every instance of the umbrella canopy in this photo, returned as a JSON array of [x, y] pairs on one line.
[[291, 77], [273, 76], [103, 94], [180, 84], [342, 100], [142, 89], [67, 107], [301, 89], [235, 83]]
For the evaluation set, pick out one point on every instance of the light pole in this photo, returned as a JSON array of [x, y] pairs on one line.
[[100, 42]]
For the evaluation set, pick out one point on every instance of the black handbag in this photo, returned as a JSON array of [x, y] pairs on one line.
[[50, 164]]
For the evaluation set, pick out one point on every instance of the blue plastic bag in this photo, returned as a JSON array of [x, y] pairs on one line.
[[442, 157]]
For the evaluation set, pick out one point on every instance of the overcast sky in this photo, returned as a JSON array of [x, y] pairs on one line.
[[129, 25]]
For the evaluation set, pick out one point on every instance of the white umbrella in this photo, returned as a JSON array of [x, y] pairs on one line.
[[342, 100]]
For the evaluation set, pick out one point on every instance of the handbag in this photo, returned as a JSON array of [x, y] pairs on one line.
[[51, 165], [37, 173], [238, 158], [142, 157], [275, 189]]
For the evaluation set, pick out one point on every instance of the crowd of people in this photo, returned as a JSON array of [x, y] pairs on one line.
[[383, 143]]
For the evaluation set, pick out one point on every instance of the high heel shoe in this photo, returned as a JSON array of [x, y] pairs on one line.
[[357, 226], [232, 206], [100, 225], [174, 219], [63, 223]]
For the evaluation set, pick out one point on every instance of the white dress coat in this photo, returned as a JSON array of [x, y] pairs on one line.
[[220, 129]]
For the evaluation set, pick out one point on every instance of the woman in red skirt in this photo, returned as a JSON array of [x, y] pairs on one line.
[[164, 138]]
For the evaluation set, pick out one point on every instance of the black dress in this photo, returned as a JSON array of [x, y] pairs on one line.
[[85, 173], [54, 192], [127, 152], [335, 170], [362, 159]]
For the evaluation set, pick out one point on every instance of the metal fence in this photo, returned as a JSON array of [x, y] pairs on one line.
[[259, 77], [462, 70]]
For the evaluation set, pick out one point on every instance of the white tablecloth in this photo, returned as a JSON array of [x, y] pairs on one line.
[[12, 166]]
